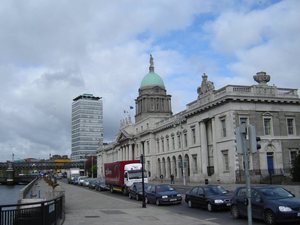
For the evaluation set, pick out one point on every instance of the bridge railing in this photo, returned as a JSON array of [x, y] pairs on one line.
[[38, 213]]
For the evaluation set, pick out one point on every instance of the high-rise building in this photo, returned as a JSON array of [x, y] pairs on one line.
[[87, 126]]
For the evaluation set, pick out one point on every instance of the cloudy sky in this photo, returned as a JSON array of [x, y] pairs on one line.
[[52, 51]]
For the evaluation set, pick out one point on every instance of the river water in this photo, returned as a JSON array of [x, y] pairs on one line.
[[9, 194]]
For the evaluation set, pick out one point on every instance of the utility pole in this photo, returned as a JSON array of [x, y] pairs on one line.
[[143, 182], [241, 133]]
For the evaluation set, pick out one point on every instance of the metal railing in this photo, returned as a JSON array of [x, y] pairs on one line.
[[265, 175], [49, 212]]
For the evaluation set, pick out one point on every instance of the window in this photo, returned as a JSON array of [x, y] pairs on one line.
[[193, 135], [243, 120], [162, 144], [195, 165], [268, 125], [168, 144], [179, 140], [290, 126], [225, 160], [223, 127], [293, 155], [173, 142], [185, 139], [157, 143]]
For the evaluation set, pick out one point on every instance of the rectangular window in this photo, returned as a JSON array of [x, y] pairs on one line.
[[195, 165], [173, 142], [290, 126], [223, 127], [193, 135], [157, 142], [225, 160], [168, 144], [243, 120], [293, 155], [185, 139], [179, 141], [268, 125], [162, 145]]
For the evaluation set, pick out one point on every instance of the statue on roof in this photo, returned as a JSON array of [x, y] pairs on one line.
[[151, 67], [206, 86]]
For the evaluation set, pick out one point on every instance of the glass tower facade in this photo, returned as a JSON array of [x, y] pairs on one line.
[[87, 126]]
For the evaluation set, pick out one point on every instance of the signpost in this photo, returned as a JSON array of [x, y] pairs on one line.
[[244, 147]]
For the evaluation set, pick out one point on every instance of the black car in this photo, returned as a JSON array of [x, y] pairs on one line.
[[270, 203], [100, 185], [162, 194], [211, 197], [136, 191]]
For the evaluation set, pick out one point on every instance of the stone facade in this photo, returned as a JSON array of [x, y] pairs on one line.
[[199, 142]]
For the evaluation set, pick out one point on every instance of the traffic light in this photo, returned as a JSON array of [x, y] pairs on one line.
[[254, 141], [258, 146], [240, 133]]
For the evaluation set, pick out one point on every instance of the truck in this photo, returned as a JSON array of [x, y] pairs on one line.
[[74, 172], [120, 175]]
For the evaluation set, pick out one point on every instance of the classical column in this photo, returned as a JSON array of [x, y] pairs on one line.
[[203, 137], [214, 152], [130, 152]]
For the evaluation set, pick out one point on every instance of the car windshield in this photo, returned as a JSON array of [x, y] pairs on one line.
[[162, 188], [215, 190], [136, 175], [275, 193]]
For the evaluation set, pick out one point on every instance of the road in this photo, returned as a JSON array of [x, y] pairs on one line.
[[119, 201]]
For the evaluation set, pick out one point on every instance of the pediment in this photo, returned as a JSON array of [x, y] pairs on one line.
[[123, 136]]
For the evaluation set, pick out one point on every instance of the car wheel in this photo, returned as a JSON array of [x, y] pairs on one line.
[[190, 204], [234, 212], [157, 202], [269, 217], [137, 197], [209, 207]]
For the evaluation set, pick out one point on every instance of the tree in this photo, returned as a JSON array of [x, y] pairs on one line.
[[91, 166], [296, 168]]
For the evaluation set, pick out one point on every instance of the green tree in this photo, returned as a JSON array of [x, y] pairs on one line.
[[296, 168]]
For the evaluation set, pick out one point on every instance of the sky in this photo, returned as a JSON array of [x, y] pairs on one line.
[[53, 51]]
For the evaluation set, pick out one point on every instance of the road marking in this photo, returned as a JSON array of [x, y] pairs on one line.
[[211, 219]]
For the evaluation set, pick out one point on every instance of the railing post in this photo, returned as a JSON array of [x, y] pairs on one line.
[[43, 213], [55, 214]]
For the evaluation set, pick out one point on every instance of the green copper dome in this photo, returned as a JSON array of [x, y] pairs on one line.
[[152, 79]]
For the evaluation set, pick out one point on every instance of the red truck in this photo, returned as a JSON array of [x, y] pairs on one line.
[[120, 175]]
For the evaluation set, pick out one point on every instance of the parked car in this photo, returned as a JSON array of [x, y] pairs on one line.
[[136, 190], [100, 185], [92, 183], [270, 203], [80, 180], [162, 194], [211, 197]]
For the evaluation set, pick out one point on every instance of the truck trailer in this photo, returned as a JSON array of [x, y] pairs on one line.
[[120, 175]]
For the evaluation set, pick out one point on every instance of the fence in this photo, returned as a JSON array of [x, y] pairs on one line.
[[49, 212], [264, 176]]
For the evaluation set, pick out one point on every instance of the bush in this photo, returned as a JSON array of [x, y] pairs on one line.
[[296, 169]]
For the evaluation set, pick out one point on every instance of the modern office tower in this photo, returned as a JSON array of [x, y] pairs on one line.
[[87, 126]]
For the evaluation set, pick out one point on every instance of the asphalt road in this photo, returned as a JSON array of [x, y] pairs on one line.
[[219, 217]]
